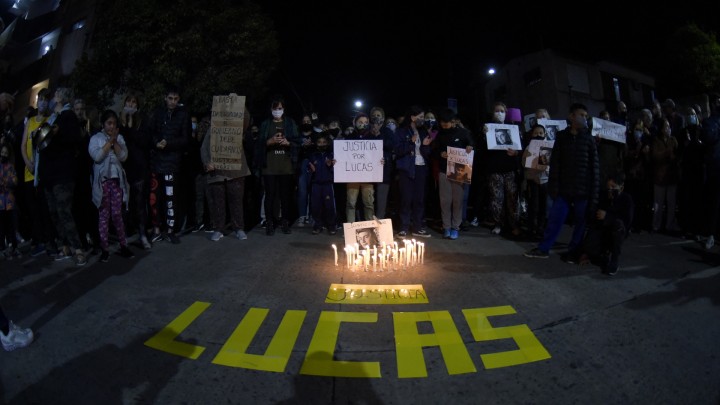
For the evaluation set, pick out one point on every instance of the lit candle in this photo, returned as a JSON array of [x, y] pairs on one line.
[[336, 257]]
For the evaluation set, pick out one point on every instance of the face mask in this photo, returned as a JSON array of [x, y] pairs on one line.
[[42, 105], [194, 126], [378, 120], [322, 148], [392, 126], [306, 128], [419, 122], [499, 116], [581, 122], [638, 135], [692, 120], [277, 113], [130, 110], [431, 123], [360, 126]]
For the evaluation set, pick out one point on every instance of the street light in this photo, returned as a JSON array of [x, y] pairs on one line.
[[358, 104], [491, 71]]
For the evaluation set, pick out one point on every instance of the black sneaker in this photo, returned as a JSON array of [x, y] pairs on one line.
[[536, 253], [126, 252], [173, 238], [570, 257], [156, 237], [104, 256], [199, 227], [422, 233]]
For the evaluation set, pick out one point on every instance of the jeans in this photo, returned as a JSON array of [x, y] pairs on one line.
[[558, 213]]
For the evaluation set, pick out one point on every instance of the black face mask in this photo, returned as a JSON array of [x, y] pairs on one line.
[[334, 132], [322, 148], [614, 193], [306, 127]]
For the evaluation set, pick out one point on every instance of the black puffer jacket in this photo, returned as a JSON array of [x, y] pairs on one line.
[[173, 126], [574, 167]]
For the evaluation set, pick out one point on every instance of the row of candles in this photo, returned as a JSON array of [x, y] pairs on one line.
[[388, 257]]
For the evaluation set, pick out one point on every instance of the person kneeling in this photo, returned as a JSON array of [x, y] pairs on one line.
[[604, 239]]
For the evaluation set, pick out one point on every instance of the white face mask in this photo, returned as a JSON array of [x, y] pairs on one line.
[[277, 113], [499, 116], [692, 119], [130, 110]]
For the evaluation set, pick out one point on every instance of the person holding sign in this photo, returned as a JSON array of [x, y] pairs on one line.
[[502, 168], [361, 130], [537, 178], [451, 189], [226, 184], [274, 149], [412, 151]]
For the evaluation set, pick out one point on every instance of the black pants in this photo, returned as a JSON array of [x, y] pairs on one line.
[[605, 239]]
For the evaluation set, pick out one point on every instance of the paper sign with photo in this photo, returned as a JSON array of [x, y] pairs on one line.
[[538, 154], [608, 130], [459, 165], [528, 121], [503, 137], [552, 127], [358, 161], [377, 232]]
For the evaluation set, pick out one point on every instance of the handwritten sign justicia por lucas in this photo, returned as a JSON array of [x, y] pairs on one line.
[[358, 161], [226, 131]]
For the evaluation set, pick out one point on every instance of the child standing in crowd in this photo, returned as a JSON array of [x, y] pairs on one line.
[[322, 197], [8, 182], [110, 187], [537, 179]]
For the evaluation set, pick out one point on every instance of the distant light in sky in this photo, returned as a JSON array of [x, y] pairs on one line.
[[358, 104], [491, 71]]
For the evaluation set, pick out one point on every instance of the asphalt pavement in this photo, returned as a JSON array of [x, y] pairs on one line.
[[273, 320]]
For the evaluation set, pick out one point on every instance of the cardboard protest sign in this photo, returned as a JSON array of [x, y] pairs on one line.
[[503, 137], [459, 165], [608, 130], [538, 154], [552, 127], [226, 131], [368, 234], [358, 161]]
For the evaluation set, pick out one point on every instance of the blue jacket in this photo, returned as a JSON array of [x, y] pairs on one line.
[[404, 149], [323, 174]]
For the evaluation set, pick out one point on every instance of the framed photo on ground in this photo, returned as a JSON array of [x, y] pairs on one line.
[[368, 234]]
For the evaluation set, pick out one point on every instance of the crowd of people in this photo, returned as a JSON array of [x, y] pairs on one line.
[[67, 184], [152, 174]]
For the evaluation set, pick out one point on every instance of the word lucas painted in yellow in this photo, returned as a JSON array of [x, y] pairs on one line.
[[409, 343]]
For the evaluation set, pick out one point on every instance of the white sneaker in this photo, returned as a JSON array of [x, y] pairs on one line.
[[496, 230], [145, 242], [216, 236], [475, 222], [709, 242], [240, 234], [17, 338]]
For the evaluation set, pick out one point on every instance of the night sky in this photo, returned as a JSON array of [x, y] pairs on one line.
[[395, 55]]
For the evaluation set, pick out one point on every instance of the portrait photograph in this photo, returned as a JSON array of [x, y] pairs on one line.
[[503, 137]]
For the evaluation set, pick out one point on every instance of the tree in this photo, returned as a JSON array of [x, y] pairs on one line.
[[208, 48], [691, 62]]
